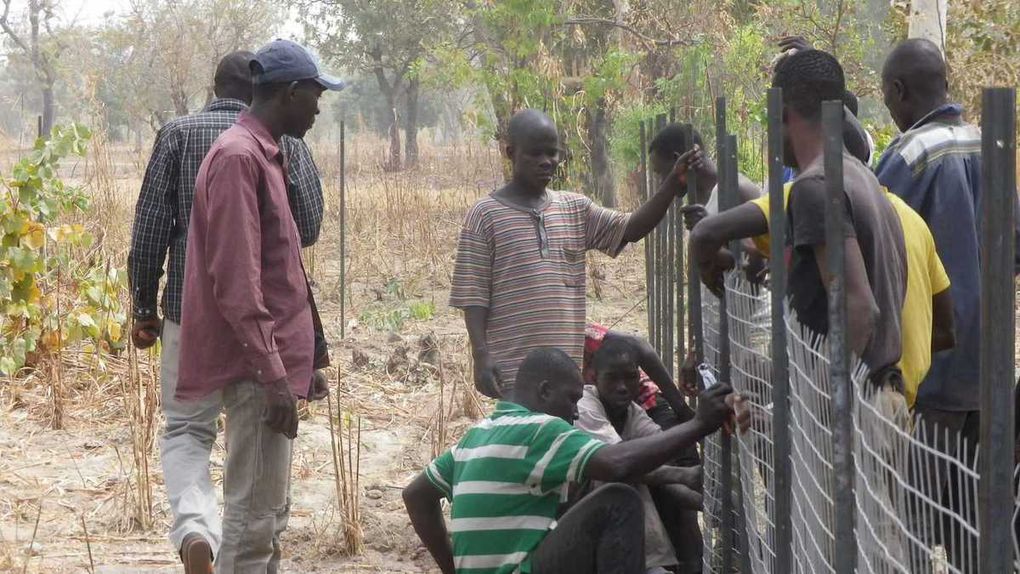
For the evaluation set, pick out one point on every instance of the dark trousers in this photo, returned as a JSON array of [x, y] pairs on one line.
[[956, 434], [681, 524], [604, 533]]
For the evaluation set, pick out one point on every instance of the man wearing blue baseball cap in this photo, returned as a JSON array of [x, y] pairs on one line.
[[246, 325]]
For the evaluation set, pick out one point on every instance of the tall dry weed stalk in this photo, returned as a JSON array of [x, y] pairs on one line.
[[345, 442], [140, 405]]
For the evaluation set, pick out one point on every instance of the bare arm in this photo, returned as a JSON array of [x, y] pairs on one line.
[[861, 308], [711, 234], [487, 377], [943, 333], [426, 514], [651, 212], [629, 460]]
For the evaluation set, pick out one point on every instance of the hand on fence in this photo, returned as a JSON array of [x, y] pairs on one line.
[[693, 214], [488, 381], [714, 408], [689, 375], [319, 386], [281, 409], [692, 159], [144, 332], [740, 419], [712, 271]]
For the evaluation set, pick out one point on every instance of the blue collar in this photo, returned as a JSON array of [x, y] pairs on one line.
[[943, 110]]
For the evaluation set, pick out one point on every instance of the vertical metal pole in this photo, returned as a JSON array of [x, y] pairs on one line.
[[693, 280], [649, 254], [728, 199], [343, 231], [654, 236], [679, 275], [845, 552], [669, 293], [782, 488], [662, 268], [725, 442], [998, 177]]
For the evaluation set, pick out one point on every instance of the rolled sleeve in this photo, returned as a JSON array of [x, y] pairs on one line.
[[234, 255], [605, 229], [440, 473], [471, 285]]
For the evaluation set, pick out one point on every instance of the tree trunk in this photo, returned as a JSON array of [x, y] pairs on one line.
[[411, 124], [600, 181], [48, 111], [393, 161], [928, 21]]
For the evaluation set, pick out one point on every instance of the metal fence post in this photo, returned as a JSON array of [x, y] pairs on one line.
[[782, 488], [726, 469], [998, 177], [343, 232], [648, 241], [693, 281], [845, 551], [662, 266]]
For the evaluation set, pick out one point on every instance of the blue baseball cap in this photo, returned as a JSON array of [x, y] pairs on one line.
[[283, 61]]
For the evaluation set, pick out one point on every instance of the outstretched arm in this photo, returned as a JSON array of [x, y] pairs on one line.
[[426, 514], [643, 220]]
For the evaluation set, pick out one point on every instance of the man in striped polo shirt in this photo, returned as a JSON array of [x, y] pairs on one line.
[[508, 475], [520, 269]]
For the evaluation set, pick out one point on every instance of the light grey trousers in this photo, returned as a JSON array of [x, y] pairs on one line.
[[256, 474]]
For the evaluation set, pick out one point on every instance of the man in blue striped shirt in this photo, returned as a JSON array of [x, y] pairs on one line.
[[935, 167]]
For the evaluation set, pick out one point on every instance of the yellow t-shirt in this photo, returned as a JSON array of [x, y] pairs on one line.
[[926, 277]]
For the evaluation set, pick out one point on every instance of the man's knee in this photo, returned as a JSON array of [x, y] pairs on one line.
[[619, 497]]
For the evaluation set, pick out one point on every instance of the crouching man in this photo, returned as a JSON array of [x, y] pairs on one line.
[[507, 476], [609, 412]]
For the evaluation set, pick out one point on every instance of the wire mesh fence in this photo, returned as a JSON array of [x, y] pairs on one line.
[[915, 486]]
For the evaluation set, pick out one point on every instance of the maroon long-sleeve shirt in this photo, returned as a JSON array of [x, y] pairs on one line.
[[245, 313]]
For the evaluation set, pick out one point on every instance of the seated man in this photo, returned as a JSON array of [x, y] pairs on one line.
[[508, 474], [608, 412]]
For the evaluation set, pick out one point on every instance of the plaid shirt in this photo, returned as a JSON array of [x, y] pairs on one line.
[[164, 204]]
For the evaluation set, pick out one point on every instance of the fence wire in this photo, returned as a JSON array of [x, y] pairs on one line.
[[915, 486]]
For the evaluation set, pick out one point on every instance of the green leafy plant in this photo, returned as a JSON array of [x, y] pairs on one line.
[[47, 299]]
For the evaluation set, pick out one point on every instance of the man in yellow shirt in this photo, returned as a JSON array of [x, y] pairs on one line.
[[927, 315]]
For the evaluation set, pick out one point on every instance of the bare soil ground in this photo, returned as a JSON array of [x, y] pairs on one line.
[[70, 498]]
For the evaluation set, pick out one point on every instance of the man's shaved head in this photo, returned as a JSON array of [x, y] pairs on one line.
[[233, 76], [526, 123], [533, 145], [914, 81]]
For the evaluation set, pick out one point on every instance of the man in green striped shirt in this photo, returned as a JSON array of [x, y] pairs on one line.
[[508, 475]]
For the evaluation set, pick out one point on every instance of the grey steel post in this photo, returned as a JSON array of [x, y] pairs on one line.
[[649, 255], [998, 177], [725, 442], [728, 199], [679, 275], [343, 232], [782, 488], [845, 556], [693, 279], [662, 267]]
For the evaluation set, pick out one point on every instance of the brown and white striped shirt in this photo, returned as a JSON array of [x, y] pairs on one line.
[[527, 266]]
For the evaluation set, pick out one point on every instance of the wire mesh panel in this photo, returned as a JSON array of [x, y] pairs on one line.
[[916, 491], [748, 311], [812, 450], [712, 447]]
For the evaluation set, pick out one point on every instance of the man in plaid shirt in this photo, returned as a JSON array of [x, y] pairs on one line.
[[161, 225]]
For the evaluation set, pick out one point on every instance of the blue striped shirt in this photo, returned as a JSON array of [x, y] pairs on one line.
[[935, 167]]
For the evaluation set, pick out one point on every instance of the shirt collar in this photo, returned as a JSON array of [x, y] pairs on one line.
[[226, 105], [261, 134], [943, 110], [507, 407]]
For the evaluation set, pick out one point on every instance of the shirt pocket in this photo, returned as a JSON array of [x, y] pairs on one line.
[[573, 266]]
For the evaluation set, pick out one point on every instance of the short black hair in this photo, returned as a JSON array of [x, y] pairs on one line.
[[809, 78], [545, 364], [671, 140], [613, 349]]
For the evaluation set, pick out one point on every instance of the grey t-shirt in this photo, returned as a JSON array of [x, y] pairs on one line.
[[872, 220]]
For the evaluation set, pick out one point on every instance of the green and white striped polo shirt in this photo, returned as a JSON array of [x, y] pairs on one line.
[[505, 480]]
